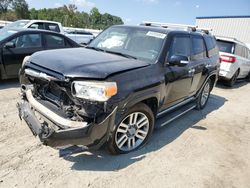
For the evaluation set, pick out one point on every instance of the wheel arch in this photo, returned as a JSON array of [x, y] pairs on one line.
[[213, 79], [152, 103]]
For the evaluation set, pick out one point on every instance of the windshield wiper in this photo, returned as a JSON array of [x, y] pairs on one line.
[[95, 48], [121, 54], [111, 52]]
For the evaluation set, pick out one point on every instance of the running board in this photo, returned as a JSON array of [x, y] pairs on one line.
[[174, 107], [173, 115]]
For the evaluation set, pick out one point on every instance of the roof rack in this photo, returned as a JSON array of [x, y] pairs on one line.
[[177, 26]]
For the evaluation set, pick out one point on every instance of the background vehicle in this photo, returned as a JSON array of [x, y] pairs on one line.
[[15, 44], [235, 60], [115, 90], [37, 24], [79, 36]]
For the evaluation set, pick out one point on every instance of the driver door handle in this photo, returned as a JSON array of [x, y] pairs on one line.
[[191, 71]]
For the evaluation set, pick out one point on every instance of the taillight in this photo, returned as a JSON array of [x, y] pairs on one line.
[[227, 59]]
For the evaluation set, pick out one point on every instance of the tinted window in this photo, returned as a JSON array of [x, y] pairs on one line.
[[53, 27], [54, 41], [225, 46], [198, 48], [211, 45], [28, 41], [69, 44], [180, 46]]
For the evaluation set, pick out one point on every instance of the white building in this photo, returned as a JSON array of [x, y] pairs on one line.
[[229, 26]]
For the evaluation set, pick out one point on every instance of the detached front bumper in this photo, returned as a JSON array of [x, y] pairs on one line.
[[56, 131]]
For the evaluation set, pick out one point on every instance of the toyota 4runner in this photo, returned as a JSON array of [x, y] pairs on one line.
[[126, 82]]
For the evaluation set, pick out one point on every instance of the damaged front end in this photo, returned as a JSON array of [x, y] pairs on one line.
[[57, 117]]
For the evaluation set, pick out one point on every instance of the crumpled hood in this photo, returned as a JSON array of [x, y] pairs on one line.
[[82, 62]]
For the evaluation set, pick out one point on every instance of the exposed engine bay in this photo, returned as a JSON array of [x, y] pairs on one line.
[[57, 96]]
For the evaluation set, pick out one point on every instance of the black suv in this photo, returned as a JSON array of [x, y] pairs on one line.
[[126, 82]]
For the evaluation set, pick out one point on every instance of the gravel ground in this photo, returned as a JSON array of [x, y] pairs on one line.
[[209, 148]]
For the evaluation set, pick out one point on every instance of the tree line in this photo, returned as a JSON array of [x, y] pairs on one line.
[[68, 15]]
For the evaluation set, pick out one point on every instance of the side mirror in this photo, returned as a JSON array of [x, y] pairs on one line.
[[10, 45], [178, 60]]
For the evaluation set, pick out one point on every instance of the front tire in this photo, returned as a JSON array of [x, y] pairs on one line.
[[133, 131], [204, 95]]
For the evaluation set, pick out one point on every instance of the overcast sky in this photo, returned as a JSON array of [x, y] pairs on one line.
[[174, 11]]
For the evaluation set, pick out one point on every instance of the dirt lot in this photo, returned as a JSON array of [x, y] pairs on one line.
[[210, 148]]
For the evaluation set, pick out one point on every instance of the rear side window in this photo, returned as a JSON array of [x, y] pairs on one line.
[[53, 41], [180, 46], [53, 27], [37, 25], [211, 46], [225, 46], [198, 48]]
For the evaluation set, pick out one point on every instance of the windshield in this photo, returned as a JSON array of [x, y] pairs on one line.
[[6, 33], [17, 24], [131, 42], [225, 46]]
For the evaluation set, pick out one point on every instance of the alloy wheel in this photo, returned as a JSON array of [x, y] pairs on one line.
[[132, 131], [205, 94]]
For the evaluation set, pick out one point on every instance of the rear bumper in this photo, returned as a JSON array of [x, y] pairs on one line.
[[53, 134], [227, 70]]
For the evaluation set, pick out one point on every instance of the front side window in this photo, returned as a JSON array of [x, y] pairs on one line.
[[28, 41], [180, 46], [140, 43], [198, 48], [211, 46], [53, 41]]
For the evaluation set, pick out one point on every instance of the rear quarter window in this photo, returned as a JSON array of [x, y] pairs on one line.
[[54, 41], [241, 51], [53, 27]]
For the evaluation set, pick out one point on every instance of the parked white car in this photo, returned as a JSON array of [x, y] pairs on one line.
[[235, 60], [79, 36], [37, 24]]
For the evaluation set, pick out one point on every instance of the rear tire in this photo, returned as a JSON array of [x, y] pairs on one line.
[[204, 95], [133, 131], [232, 81], [248, 77]]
